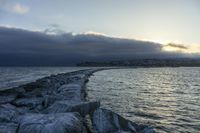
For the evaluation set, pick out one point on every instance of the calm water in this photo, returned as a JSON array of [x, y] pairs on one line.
[[14, 76], [165, 98]]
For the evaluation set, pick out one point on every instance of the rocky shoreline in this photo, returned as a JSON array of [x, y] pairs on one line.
[[57, 104]]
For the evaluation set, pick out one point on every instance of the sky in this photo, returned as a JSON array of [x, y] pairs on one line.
[[161, 21], [62, 32]]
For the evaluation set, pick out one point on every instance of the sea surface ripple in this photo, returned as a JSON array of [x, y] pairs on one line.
[[166, 98]]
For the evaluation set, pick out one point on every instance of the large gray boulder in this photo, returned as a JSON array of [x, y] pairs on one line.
[[50, 99], [8, 113], [8, 127], [72, 106], [106, 121], [51, 123], [7, 98], [28, 102], [79, 78], [70, 92]]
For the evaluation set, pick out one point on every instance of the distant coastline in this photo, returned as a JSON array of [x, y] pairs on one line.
[[179, 62]]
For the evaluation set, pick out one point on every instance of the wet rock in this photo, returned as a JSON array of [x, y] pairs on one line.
[[49, 99], [8, 113], [88, 124], [8, 127], [51, 123], [7, 98], [71, 106], [28, 102], [34, 93], [106, 121], [148, 130], [123, 132], [79, 78], [70, 92], [23, 110]]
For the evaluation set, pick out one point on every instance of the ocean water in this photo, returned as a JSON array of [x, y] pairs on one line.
[[15, 76], [167, 99]]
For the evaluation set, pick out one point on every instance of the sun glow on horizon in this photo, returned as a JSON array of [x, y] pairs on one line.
[[171, 47]]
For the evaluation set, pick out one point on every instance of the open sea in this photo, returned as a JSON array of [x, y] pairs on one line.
[[15, 76], [167, 99]]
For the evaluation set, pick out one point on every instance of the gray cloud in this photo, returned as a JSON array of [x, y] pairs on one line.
[[22, 47], [179, 46], [54, 28]]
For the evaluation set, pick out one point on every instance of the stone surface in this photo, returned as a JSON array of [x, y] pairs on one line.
[[29, 102], [71, 106], [106, 121], [7, 98], [88, 124], [51, 123], [70, 92], [8, 127], [8, 113]]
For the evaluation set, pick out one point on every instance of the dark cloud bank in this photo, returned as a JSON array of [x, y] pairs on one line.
[[27, 48]]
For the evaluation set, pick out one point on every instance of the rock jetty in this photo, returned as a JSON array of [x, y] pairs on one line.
[[57, 104]]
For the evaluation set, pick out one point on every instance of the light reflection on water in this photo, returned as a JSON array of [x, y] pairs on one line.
[[166, 98]]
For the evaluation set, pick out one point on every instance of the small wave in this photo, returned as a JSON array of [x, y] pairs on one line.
[[147, 115]]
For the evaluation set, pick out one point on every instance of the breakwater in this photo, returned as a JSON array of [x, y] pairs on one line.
[[57, 104]]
